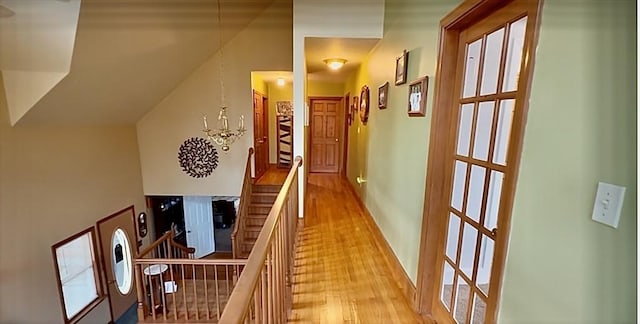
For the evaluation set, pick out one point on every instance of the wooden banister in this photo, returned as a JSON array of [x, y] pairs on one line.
[[269, 267], [152, 247], [237, 236]]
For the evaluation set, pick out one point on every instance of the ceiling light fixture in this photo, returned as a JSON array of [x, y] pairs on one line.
[[335, 63], [280, 82], [223, 136]]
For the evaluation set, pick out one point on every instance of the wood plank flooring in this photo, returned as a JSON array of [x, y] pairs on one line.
[[273, 176], [340, 276]]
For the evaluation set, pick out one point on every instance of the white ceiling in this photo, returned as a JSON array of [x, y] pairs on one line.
[[354, 50], [129, 54]]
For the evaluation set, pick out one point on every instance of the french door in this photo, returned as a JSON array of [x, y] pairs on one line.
[[486, 117]]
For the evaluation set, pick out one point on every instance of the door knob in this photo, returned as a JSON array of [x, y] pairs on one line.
[[337, 140]]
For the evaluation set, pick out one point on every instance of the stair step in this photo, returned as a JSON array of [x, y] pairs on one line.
[[263, 197], [256, 229], [259, 208], [266, 188], [254, 222]]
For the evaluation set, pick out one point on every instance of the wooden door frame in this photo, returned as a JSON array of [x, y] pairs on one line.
[[345, 134], [265, 108], [442, 140], [135, 249], [311, 100]]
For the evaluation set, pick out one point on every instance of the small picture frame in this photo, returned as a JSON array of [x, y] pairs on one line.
[[417, 102], [354, 108], [364, 105], [383, 93], [401, 68]]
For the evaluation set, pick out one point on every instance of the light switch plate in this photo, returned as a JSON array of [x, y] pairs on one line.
[[608, 204]]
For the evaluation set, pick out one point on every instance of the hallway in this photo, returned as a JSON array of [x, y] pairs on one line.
[[340, 276]]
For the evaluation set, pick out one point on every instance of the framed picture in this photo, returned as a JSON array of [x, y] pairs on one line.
[[401, 68], [347, 107], [364, 105], [284, 108], [354, 108], [418, 97], [383, 93]]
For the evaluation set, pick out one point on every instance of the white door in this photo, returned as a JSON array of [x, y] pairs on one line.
[[198, 221]]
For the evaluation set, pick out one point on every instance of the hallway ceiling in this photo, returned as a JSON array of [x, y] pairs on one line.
[[130, 54], [354, 50]]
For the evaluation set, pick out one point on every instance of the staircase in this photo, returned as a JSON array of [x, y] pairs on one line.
[[261, 201]]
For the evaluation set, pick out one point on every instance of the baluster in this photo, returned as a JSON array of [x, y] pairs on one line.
[[173, 295], [195, 290], [184, 293], [206, 290], [263, 293], [152, 294], [215, 276]]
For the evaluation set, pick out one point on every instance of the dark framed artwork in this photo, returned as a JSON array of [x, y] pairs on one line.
[[383, 93], [401, 68], [142, 224], [354, 108], [364, 105], [418, 97]]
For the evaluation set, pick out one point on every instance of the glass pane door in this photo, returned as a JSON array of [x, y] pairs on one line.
[[485, 109]]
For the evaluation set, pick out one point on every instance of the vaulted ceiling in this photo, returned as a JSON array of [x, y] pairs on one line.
[[129, 54]]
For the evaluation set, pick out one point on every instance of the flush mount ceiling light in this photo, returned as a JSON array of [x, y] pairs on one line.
[[334, 63]]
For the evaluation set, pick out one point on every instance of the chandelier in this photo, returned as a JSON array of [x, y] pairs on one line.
[[223, 135]]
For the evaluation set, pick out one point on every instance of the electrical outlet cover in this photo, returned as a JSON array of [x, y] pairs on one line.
[[608, 204]]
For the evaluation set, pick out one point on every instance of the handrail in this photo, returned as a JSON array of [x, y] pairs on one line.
[[237, 236], [193, 261], [166, 237], [154, 245], [276, 257]]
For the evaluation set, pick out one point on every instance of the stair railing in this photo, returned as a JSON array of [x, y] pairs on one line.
[[174, 287], [263, 291], [237, 236]]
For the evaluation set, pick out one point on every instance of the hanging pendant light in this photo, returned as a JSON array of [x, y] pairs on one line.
[[223, 135]]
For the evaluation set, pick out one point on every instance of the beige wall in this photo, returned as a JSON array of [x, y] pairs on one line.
[[56, 181], [563, 267], [265, 45], [276, 93]]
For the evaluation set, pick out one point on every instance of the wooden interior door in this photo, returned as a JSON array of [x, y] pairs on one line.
[[326, 134], [118, 246], [261, 133], [481, 143]]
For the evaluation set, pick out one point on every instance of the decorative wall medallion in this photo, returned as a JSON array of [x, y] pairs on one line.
[[198, 158]]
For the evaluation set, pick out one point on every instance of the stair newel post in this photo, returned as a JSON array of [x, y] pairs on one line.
[[141, 294]]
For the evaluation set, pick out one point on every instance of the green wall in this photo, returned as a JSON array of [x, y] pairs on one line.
[[324, 89], [391, 150], [563, 267]]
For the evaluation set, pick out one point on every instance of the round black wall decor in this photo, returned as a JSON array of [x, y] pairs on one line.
[[198, 158]]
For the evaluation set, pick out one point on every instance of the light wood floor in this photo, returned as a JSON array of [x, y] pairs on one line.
[[340, 276], [273, 176]]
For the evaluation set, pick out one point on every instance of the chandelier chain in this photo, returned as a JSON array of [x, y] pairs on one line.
[[220, 49]]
